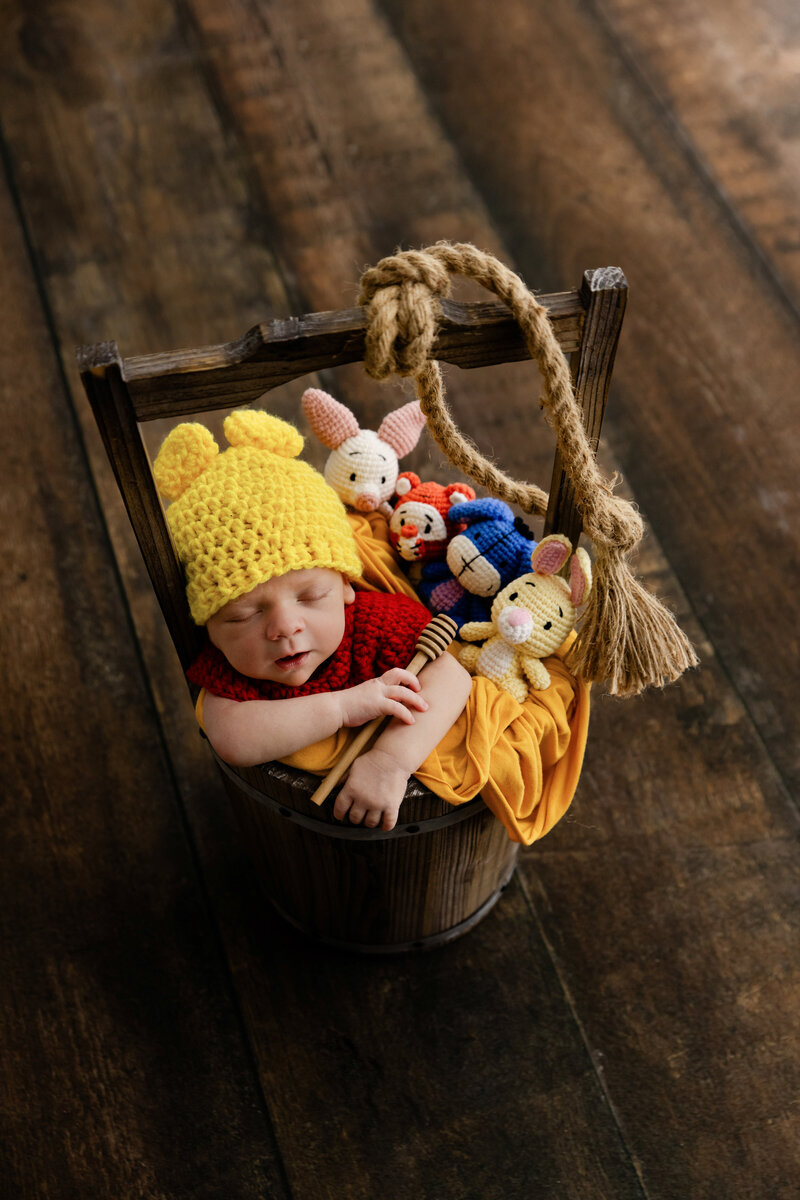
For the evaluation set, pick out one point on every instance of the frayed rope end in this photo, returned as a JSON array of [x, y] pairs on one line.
[[628, 639]]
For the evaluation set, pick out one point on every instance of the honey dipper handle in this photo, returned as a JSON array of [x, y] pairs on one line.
[[359, 742]]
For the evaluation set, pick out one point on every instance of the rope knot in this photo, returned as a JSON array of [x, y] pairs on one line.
[[611, 521], [401, 294]]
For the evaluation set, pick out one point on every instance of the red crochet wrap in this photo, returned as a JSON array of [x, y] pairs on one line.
[[380, 632]]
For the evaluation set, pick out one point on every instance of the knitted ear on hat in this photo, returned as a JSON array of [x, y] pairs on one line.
[[184, 455], [247, 427]]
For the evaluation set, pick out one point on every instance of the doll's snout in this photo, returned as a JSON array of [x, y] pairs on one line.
[[367, 502], [515, 624]]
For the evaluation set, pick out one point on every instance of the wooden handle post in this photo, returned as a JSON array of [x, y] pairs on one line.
[[433, 641]]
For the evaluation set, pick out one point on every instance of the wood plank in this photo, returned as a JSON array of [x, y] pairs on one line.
[[724, 1122], [726, 76], [453, 1073], [121, 1038], [239, 372]]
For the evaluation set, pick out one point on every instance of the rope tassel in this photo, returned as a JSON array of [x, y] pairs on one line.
[[627, 638]]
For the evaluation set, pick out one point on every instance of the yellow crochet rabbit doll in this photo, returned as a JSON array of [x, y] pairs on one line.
[[530, 619]]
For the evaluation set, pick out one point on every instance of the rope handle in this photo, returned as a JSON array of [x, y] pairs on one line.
[[627, 638]]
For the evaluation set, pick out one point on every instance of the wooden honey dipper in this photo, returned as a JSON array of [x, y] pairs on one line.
[[433, 641]]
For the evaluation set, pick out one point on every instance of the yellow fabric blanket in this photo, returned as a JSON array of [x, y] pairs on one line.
[[524, 759]]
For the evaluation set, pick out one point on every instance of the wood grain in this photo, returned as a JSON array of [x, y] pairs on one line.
[[726, 79], [120, 1034], [698, 403]]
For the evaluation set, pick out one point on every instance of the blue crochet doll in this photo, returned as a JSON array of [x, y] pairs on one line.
[[494, 548]]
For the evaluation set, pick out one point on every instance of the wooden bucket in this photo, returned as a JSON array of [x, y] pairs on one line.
[[442, 868], [422, 884]]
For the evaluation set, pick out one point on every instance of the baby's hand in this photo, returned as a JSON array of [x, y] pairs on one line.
[[390, 695], [373, 791]]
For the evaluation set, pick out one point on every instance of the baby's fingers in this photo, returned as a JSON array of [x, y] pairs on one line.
[[343, 804], [399, 702], [399, 676]]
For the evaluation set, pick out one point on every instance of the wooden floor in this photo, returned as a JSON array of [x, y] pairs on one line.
[[625, 1022]]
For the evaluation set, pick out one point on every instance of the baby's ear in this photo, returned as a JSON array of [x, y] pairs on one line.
[[249, 427], [184, 455], [349, 591]]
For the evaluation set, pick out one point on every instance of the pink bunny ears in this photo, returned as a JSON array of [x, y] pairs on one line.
[[334, 423], [362, 466], [549, 557]]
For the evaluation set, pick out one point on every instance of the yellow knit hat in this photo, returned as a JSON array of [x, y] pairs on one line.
[[253, 512]]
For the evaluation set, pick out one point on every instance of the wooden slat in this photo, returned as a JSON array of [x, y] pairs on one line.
[[124, 1069], [213, 377], [114, 414]]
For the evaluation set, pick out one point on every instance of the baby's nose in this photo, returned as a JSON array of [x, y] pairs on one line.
[[283, 624]]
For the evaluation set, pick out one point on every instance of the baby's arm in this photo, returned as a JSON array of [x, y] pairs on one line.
[[376, 785], [247, 732]]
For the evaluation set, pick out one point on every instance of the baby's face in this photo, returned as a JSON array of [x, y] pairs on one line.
[[285, 628]]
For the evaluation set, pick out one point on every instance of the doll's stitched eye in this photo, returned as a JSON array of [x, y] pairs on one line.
[[353, 477], [513, 595], [560, 613], [383, 479], [428, 527]]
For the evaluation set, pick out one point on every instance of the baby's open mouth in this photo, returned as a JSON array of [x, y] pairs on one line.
[[290, 661]]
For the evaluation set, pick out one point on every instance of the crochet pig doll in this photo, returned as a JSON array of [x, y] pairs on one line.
[[363, 465]]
